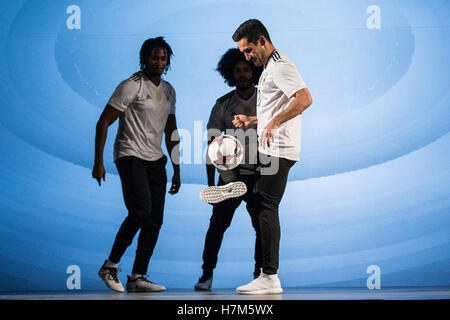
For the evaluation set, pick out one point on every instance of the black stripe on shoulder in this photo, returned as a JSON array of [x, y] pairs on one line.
[[136, 76], [276, 56], [225, 97]]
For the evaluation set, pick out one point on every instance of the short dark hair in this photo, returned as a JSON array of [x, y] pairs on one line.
[[227, 63], [148, 46], [251, 29]]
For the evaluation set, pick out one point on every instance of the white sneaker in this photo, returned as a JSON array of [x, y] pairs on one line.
[[109, 276], [218, 194], [264, 284]]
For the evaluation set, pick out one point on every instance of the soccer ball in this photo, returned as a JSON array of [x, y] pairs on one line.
[[225, 152]]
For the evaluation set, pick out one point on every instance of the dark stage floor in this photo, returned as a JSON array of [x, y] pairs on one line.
[[397, 293]]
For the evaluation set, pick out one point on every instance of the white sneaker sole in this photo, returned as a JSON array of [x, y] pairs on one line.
[[218, 194], [264, 291]]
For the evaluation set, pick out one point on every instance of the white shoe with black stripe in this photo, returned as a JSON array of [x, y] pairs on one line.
[[218, 194], [109, 276]]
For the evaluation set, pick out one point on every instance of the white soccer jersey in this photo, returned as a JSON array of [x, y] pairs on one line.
[[146, 108], [277, 85]]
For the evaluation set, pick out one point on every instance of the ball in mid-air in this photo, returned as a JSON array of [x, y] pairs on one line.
[[225, 152]]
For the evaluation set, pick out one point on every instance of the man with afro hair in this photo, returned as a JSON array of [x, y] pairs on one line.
[[243, 75]]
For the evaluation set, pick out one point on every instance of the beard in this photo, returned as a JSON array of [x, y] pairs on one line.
[[244, 83]]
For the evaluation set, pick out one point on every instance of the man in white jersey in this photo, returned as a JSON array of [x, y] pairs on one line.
[[145, 107], [244, 75], [282, 98]]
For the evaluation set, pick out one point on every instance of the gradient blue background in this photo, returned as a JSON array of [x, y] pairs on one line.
[[372, 186]]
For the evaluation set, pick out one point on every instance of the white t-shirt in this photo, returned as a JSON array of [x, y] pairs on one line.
[[222, 115], [145, 109], [277, 85]]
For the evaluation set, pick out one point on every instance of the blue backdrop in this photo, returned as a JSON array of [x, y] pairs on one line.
[[372, 186]]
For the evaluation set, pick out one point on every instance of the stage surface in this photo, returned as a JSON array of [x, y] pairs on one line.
[[394, 293]]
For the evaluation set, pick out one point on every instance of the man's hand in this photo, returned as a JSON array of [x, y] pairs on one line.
[[176, 183], [98, 172], [242, 121], [268, 132]]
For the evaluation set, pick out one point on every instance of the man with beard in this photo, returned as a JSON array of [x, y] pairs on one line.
[[282, 98], [145, 107], [237, 72]]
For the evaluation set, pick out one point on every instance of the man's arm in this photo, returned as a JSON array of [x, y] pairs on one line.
[[244, 122], [210, 169], [108, 117], [214, 123], [172, 141], [300, 103]]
